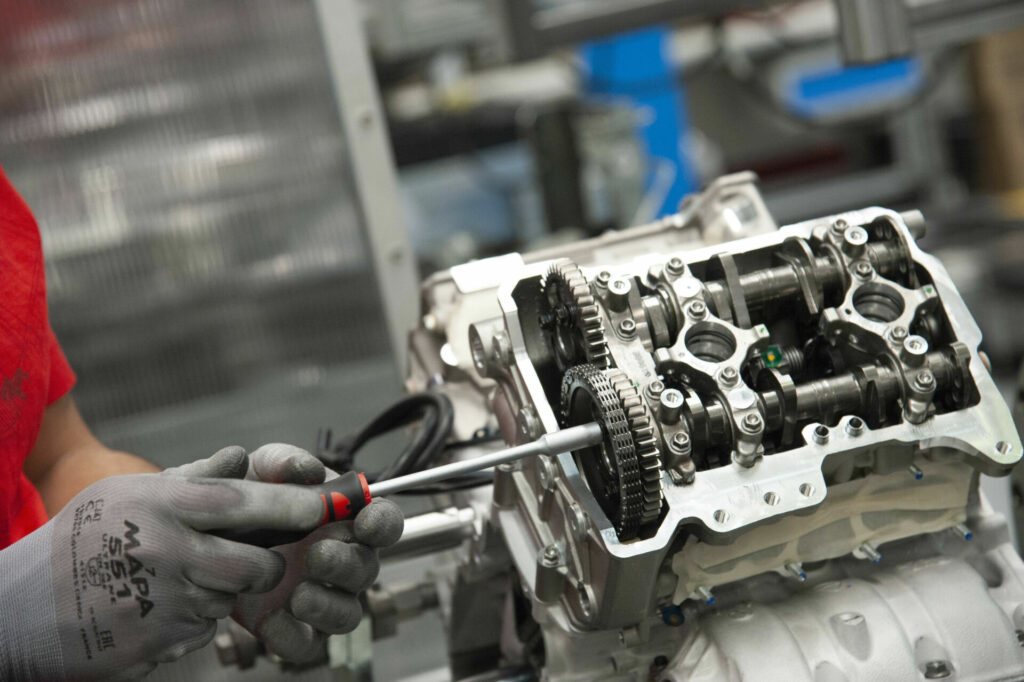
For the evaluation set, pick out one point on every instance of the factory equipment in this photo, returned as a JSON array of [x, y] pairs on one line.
[[794, 424]]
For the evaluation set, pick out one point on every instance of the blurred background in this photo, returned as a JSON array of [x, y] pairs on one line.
[[238, 198]]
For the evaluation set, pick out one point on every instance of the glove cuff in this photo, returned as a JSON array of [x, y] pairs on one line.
[[28, 618]]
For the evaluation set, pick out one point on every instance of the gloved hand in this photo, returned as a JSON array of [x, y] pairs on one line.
[[125, 577], [325, 570]]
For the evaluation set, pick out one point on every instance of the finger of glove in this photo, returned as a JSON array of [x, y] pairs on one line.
[[379, 524], [290, 638], [229, 462], [328, 610], [233, 567], [349, 566], [203, 630], [283, 463], [206, 503], [212, 604]]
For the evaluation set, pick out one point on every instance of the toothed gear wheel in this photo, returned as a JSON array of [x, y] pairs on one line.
[[644, 443], [571, 319], [624, 485]]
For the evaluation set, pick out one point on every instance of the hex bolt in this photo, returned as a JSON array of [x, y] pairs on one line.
[[697, 309], [839, 226], [863, 269], [925, 380], [729, 376], [675, 266], [752, 422], [963, 531], [898, 334], [550, 556], [627, 327], [936, 670], [914, 349], [854, 239], [916, 472], [669, 405], [820, 434], [796, 570], [655, 389], [870, 552], [618, 294], [603, 278], [680, 443], [704, 594]]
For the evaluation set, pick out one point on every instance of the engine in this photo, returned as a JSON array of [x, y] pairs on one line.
[[794, 423]]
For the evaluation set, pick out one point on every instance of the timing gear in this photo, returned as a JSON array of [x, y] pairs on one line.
[[641, 429], [611, 469], [570, 318]]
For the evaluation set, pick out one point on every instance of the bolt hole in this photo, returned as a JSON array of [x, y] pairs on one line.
[[806, 489], [856, 423], [721, 516], [1003, 448], [821, 431], [771, 499]]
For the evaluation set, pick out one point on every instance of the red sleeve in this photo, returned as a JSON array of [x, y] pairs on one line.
[[62, 377]]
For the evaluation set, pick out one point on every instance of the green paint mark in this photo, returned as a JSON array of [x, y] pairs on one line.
[[772, 356]]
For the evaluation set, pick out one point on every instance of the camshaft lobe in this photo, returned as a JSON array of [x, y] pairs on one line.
[[821, 400]]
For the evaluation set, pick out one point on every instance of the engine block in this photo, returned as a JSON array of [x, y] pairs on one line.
[[776, 402]]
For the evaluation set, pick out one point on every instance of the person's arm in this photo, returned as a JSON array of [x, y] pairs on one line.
[[67, 457]]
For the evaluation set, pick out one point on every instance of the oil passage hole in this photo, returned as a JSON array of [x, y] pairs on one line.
[[721, 516], [806, 489], [710, 342], [771, 499], [878, 302], [1003, 448]]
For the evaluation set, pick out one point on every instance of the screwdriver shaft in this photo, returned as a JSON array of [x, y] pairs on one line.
[[572, 438]]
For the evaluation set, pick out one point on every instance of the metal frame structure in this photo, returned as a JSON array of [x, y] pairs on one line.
[[373, 166]]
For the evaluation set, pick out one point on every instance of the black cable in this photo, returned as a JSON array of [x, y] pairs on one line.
[[435, 415]]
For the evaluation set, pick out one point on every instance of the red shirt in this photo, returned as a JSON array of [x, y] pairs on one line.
[[33, 370]]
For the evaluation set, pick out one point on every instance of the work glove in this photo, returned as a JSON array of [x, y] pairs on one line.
[[126, 575], [325, 570]]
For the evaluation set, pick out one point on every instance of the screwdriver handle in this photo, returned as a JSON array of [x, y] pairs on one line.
[[342, 498]]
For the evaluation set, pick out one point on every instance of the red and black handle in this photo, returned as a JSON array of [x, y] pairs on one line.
[[342, 498]]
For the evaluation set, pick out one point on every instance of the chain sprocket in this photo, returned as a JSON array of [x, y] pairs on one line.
[[620, 472], [570, 318]]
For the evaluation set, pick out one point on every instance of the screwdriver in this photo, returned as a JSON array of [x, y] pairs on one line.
[[343, 497]]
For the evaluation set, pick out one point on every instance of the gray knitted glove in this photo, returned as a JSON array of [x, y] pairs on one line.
[[325, 570], [124, 577]]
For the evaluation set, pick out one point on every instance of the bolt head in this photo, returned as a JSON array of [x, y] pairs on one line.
[[898, 333], [839, 226], [855, 236], [655, 388], [604, 277], [752, 421], [914, 349], [729, 376], [697, 309], [925, 379], [675, 266], [680, 442], [619, 286], [550, 555], [863, 269], [627, 327]]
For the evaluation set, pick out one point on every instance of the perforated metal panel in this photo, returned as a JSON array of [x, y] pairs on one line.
[[204, 246]]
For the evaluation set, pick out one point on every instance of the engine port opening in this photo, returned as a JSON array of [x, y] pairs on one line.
[[878, 302], [710, 342]]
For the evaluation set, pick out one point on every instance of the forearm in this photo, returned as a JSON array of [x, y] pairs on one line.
[[83, 466]]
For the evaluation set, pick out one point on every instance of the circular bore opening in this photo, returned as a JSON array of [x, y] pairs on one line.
[[710, 342], [821, 431], [856, 423], [1003, 448], [771, 499], [878, 302], [721, 516], [806, 489]]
